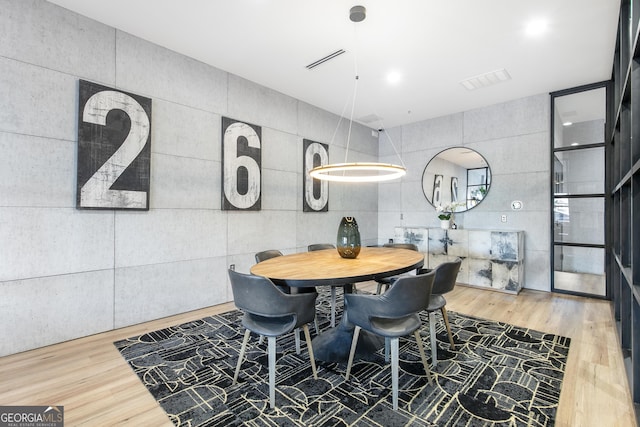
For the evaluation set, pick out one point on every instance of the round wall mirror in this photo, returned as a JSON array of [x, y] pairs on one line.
[[457, 179]]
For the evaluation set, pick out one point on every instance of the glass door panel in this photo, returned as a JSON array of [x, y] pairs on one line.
[[578, 203], [579, 118], [580, 171], [579, 269], [579, 220]]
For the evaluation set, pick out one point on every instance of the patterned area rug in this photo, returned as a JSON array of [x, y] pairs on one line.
[[499, 375]]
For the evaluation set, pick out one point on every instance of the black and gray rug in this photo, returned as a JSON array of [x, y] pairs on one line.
[[499, 375]]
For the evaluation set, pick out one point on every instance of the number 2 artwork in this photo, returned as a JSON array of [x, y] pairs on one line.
[[114, 149]]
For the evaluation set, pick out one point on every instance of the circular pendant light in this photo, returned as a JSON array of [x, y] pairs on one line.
[[357, 171]]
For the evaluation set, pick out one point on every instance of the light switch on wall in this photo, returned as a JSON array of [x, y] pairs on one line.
[[503, 218]]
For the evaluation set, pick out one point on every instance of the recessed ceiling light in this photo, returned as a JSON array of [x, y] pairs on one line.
[[573, 144], [536, 27], [567, 123], [394, 77]]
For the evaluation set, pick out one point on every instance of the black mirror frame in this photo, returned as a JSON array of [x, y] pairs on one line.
[[466, 201]]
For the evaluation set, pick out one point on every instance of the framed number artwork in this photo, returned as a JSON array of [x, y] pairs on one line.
[[437, 190], [315, 193], [241, 165], [454, 189], [114, 149]]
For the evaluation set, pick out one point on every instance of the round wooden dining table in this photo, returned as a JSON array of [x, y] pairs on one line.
[[327, 268]]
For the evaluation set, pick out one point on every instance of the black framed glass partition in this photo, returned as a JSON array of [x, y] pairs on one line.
[[478, 181], [578, 204]]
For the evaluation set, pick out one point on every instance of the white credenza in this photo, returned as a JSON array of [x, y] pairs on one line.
[[491, 259]]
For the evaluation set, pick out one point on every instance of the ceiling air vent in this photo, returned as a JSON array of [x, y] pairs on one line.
[[325, 59], [369, 118], [486, 79]]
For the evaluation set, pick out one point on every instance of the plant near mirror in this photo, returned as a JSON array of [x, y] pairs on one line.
[[445, 213]]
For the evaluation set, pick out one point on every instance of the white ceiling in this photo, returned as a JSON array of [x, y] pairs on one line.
[[432, 44]]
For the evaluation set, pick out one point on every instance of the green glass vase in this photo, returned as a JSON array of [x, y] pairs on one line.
[[348, 240]]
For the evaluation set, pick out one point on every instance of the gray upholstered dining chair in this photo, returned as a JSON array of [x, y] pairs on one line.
[[272, 253], [445, 280], [319, 247], [271, 313], [391, 315], [387, 281], [268, 254]]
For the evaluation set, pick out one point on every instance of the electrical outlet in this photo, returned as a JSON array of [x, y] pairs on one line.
[[401, 216], [232, 267], [503, 218]]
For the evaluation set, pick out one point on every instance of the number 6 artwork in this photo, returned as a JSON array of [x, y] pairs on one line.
[[114, 149], [241, 165]]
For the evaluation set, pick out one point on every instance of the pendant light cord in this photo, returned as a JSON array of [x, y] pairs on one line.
[[395, 150], [355, 87], [353, 102], [358, 171], [353, 106]]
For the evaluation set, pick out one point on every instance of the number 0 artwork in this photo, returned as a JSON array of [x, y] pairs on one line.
[[315, 193], [241, 165], [114, 149]]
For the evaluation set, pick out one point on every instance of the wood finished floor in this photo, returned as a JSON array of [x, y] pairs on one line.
[[97, 388]]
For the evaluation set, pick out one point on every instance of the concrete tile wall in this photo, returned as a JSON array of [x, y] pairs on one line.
[[47, 310], [111, 269], [42, 34], [153, 71], [31, 94], [41, 242], [514, 139], [67, 273], [186, 284], [36, 173]]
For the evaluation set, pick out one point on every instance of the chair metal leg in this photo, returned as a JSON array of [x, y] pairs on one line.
[[379, 289], [446, 323], [354, 343], [307, 337], [423, 356], [315, 324], [386, 350], [242, 350], [272, 371], [296, 336], [394, 372], [333, 306], [434, 343]]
